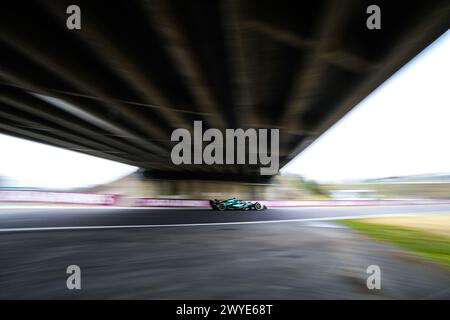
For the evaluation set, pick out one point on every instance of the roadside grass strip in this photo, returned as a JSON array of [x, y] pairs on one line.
[[425, 244]]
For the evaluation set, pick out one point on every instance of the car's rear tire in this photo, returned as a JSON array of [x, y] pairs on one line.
[[258, 206], [221, 207]]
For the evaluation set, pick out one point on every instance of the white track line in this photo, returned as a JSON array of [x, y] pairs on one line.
[[209, 224]]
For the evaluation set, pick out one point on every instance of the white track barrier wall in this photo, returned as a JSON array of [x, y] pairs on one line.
[[37, 196]]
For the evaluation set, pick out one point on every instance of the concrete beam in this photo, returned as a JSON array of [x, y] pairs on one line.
[[337, 57], [122, 64], [85, 114], [416, 39], [176, 44], [309, 75], [54, 130], [30, 105], [238, 43], [52, 62], [27, 134]]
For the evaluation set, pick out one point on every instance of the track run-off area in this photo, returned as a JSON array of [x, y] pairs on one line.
[[162, 253]]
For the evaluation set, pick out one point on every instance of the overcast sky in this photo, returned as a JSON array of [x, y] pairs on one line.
[[33, 164], [402, 128]]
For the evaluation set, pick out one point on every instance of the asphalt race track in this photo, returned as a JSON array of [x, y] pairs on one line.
[[205, 254], [22, 219]]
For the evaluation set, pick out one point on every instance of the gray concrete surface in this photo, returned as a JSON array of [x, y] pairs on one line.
[[294, 260]]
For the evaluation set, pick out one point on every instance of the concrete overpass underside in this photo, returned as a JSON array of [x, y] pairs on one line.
[[137, 70]]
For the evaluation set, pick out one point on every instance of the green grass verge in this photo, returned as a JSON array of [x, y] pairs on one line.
[[423, 243]]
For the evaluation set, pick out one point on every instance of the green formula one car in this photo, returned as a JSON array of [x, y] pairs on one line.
[[234, 204]]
